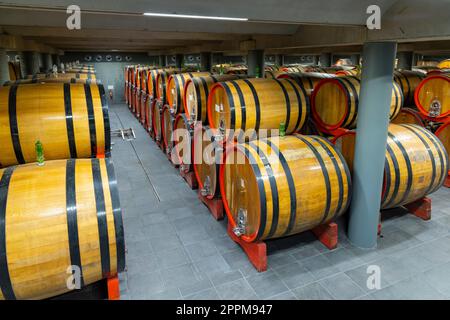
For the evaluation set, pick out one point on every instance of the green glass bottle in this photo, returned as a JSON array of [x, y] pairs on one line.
[[282, 129], [39, 153]]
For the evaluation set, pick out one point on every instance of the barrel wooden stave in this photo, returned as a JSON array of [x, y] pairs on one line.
[[408, 116], [282, 186], [156, 120], [443, 133], [231, 103], [39, 113], [183, 136], [167, 122], [307, 80], [36, 232]]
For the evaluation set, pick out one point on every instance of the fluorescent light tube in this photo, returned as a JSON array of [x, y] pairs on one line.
[[188, 16]]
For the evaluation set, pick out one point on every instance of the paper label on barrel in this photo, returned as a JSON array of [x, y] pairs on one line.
[[173, 91], [191, 97], [219, 107]]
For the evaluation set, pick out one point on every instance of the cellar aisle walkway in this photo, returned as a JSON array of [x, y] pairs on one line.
[[176, 250]]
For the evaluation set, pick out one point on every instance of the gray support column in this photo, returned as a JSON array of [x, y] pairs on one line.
[[325, 59], [4, 70], [355, 59], [279, 59], [162, 61], [48, 62], [179, 60], [255, 63], [32, 62], [405, 60], [416, 58], [315, 60], [206, 61], [371, 137]]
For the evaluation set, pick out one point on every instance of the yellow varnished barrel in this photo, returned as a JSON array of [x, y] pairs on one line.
[[161, 84], [273, 74], [306, 80], [183, 133], [52, 80], [196, 93], [70, 120], [416, 163], [56, 218], [443, 133], [408, 116], [334, 102], [444, 64], [408, 82], [175, 89], [156, 109], [76, 75], [281, 186], [253, 104], [331, 70], [208, 155], [151, 82], [167, 120], [432, 96]]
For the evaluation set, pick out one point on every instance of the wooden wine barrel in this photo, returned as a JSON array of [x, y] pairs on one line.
[[175, 89], [349, 72], [334, 102], [237, 71], [161, 85], [63, 214], [183, 134], [443, 133], [408, 116], [196, 92], [156, 120], [293, 69], [151, 82], [432, 96], [167, 120], [70, 120], [281, 186], [208, 155], [77, 75], [143, 107], [307, 80], [253, 104], [416, 163], [408, 82], [444, 64], [318, 69], [273, 74], [52, 80]]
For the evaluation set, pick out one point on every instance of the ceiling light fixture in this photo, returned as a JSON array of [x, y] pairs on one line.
[[189, 16]]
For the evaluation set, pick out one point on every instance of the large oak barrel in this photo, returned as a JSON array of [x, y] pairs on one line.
[[408, 82], [281, 186], [151, 82], [156, 120], [307, 80], [70, 120], [408, 116], [254, 104], [444, 64], [208, 155], [416, 163], [443, 133], [334, 102], [196, 93], [175, 89], [63, 214], [331, 70], [161, 84], [432, 96], [183, 134], [167, 119]]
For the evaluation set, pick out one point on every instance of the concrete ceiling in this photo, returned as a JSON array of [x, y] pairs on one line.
[[273, 24]]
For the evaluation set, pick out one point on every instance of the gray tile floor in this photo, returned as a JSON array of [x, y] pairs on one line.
[[176, 250]]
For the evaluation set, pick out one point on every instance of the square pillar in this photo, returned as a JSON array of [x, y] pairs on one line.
[[255, 63], [405, 60], [4, 69], [205, 61], [371, 139], [179, 60], [325, 60]]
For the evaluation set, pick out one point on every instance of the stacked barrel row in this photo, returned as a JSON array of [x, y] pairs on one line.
[[246, 141], [60, 213]]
